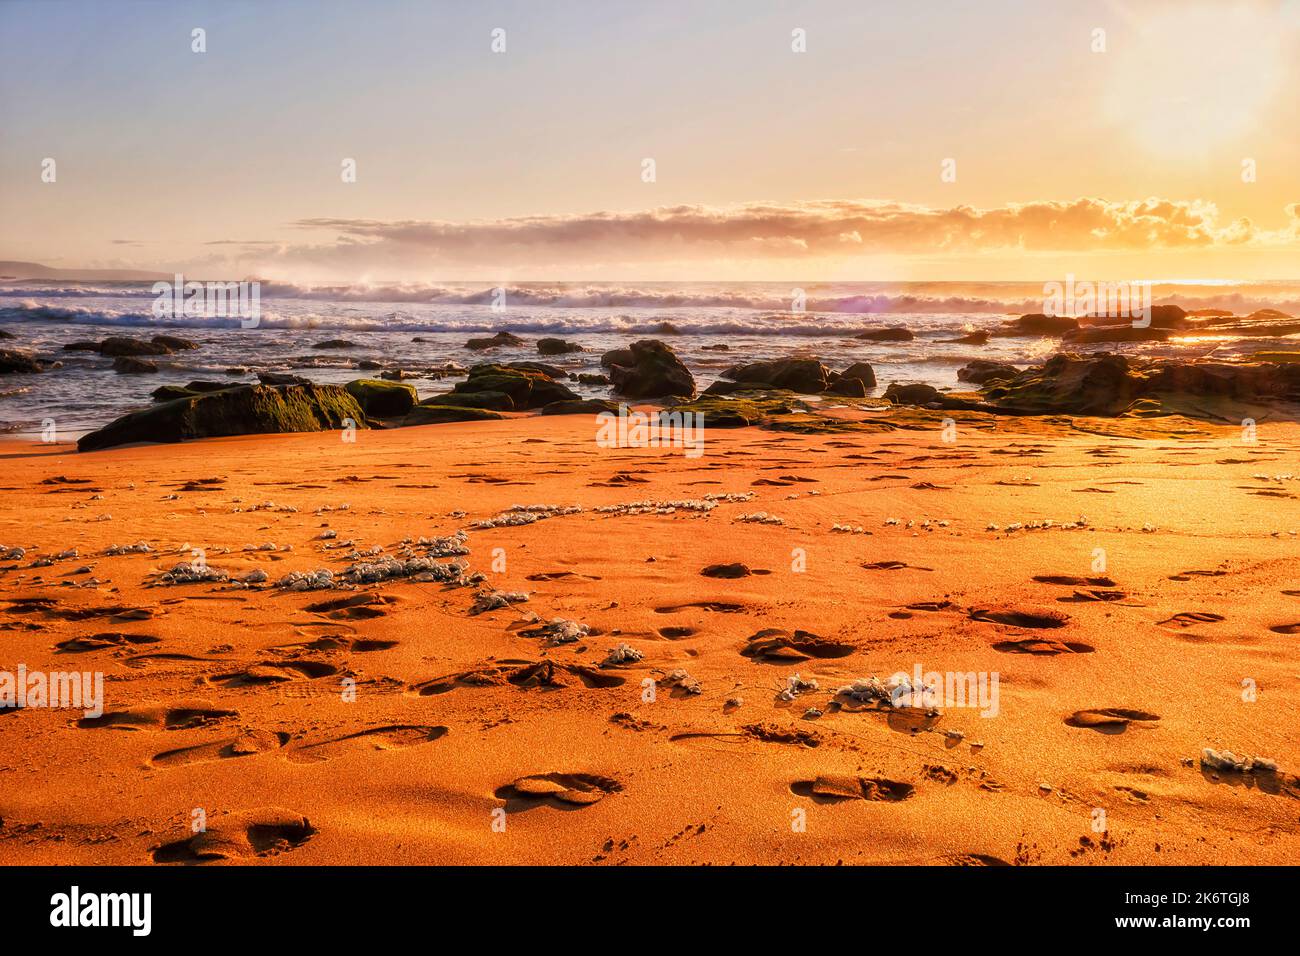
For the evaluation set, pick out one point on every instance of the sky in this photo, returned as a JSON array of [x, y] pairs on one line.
[[928, 140]]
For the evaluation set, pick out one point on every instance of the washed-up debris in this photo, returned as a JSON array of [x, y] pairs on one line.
[[1227, 760], [679, 678], [318, 580], [447, 547], [794, 686], [760, 517], [557, 630], [140, 547], [11, 554], [847, 529], [191, 572], [525, 514], [490, 599], [419, 569], [623, 654]]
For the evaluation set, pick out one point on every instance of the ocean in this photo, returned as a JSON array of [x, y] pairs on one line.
[[425, 327]]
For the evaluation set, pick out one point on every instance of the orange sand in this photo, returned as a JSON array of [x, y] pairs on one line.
[[401, 776]]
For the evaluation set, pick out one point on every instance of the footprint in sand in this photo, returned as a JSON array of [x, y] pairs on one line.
[[561, 576], [1043, 646], [246, 744], [1020, 617], [251, 833], [354, 607], [1191, 619], [975, 859], [893, 566], [563, 790], [524, 674], [1070, 580], [719, 607], [139, 661], [730, 571], [99, 642], [1188, 575], [182, 716], [776, 646], [331, 642], [674, 633], [394, 737], [1110, 720], [834, 789], [1285, 628], [269, 672]]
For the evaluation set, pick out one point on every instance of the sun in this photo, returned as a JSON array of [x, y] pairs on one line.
[[1189, 78]]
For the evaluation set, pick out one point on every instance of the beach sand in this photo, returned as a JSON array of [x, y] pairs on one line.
[[229, 704]]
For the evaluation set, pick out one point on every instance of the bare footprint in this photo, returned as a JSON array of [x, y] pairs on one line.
[[1191, 619], [99, 642], [247, 744], [181, 716], [251, 833], [833, 789], [779, 647], [1043, 646], [1110, 720], [1020, 617], [394, 737], [566, 790]]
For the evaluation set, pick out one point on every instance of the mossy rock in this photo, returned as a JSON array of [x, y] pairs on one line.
[[243, 410], [442, 414], [581, 406], [382, 399], [496, 401]]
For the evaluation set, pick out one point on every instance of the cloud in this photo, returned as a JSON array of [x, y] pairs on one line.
[[794, 231]]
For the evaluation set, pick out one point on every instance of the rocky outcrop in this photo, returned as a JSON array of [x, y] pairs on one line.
[[617, 357], [121, 345], [557, 346], [442, 414], [524, 388], [174, 342], [861, 371], [653, 370], [281, 378], [1114, 333], [382, 399], [895, 334], [12, 361], [806, 376], [501, 338], [1037, 324], [166, 393], [981, 372], [129, 365], [241, 410], [335, 344], [581, 406]]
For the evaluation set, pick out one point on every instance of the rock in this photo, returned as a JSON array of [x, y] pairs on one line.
[[717, 347], [895, 334], [557, 346], [1114, 333], [980, 337], [807, 376], [121, 345], [381, 399], [654, 371], [241, 410], [369, 365], [281, 378], [128, 365], [335, 344], [440, 414], [735, 570], [861, 371], [174, 342], [667, 328], [81, 346], [848, 387], [501, 338], [1037, 324], [6, 334], [397, 375], [525, 387], [540, 368], [581, 406], [585, 378], [981, 371], [497, 401], [21, 363], [912, 394], [617, 357], [1162, 317]]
